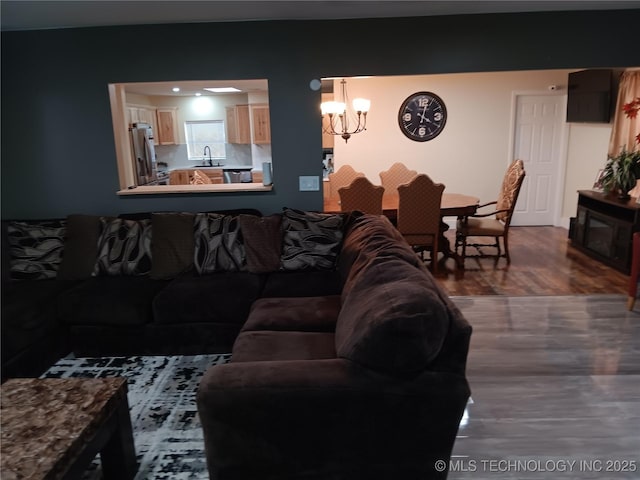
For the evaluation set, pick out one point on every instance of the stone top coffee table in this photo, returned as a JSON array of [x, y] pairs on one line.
[[53, 428]]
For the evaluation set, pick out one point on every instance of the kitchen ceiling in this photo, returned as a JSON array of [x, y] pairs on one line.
[[47, 14], [189, 88]]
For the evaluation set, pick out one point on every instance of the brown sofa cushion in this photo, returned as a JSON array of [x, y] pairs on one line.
[[218, 298], [111, 301], [80, 247], [392, 319], [262, 242], [369, 237], [265, 346], [172, 245], [302, 283], [302, 314]]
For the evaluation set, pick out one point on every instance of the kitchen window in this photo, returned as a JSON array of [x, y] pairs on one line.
[[203, 133]]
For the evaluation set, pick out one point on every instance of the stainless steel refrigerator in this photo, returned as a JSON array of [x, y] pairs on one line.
[[144, 154]]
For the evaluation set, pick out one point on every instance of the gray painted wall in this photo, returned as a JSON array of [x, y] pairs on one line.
[[58, 154]]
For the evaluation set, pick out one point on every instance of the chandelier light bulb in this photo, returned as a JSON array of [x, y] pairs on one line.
[[361, 105], [335, 108]]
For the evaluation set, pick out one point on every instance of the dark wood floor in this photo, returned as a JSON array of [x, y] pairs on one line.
[[555, 382], [542, 263]]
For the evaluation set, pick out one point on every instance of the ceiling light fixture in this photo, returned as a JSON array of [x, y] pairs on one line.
[[176, 89], [345, 113], [222, 89]]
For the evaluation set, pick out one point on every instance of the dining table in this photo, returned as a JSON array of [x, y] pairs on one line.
[[452, 205]]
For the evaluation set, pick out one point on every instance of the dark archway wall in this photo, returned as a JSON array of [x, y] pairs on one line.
[[58, 154]]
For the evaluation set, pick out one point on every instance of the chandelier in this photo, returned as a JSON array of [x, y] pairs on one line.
[[342, 116]]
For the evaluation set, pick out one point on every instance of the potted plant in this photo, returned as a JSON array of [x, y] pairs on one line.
[[621, 173]]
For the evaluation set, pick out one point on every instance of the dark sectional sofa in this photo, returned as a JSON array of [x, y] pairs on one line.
[[54, 303], [348, 360], [366, 384]]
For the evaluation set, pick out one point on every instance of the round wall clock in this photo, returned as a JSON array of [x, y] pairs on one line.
[[422, 116]]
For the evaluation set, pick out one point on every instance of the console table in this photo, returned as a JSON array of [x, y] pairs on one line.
[[604, 227], [52, 428]]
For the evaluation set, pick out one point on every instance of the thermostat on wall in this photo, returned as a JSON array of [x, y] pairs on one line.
[[309, 183]]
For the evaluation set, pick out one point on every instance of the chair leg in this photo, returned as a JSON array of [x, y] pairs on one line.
[[464, 247], [506, 248], [631, 301], [434, 254]]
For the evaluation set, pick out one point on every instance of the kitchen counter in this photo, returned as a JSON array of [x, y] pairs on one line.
[[212, 188], [217, 167]]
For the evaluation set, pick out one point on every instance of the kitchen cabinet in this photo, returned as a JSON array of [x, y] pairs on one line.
[[238, 124], [261, 133], [257, 176], [185, 175], [179, 177], [167, 132], [215, 176], [145, 114]]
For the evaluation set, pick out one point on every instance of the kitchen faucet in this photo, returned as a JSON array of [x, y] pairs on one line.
[[204, 154]]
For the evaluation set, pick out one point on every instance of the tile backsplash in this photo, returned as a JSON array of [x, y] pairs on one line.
[[175, 156]]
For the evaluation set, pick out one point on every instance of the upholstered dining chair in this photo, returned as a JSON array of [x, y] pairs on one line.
[[419, 215], [397, 174], [496, 223], [341, 178], [200, 178], [361, 195]]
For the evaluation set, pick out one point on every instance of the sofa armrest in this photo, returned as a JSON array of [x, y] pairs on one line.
[[278, 416]]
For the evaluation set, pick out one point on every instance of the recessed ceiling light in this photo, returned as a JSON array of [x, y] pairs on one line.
[[222, 89], [198, 94], [176, 89]]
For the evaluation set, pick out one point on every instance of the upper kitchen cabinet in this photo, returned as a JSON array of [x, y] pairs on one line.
[[261, 124], [143, 114], [238, 124], [167, 126]]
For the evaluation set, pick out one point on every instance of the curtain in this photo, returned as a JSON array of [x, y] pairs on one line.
[[625, 130]]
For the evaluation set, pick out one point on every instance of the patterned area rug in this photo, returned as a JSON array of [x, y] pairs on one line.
[[162, 401]]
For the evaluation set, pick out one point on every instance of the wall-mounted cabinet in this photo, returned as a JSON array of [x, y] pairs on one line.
[[143, 113], [261, 133], [238, 124], [167, 131], [163, 121]]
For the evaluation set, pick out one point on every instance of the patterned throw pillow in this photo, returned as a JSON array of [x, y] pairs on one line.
[[36, 249], [218, 244], [311, 240], [124, 247]]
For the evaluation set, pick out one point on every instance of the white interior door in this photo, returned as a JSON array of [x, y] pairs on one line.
[[538, 142]]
